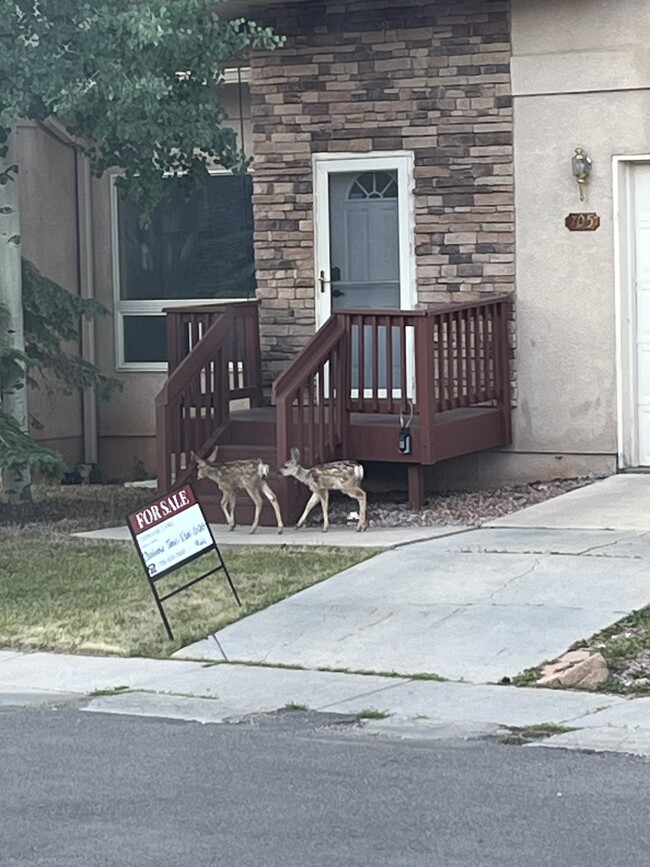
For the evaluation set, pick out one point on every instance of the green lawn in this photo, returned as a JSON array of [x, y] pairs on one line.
[[72, 595]]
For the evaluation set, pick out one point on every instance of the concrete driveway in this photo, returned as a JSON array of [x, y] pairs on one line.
[[474, 606]]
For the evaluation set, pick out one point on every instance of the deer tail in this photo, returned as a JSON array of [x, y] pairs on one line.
[[262, 469], [358, 473]]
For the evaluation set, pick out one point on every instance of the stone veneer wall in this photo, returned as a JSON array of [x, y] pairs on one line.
[[431, 77]]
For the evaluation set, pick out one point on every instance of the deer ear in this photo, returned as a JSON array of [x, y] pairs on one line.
[[213, 455], [295, 455]]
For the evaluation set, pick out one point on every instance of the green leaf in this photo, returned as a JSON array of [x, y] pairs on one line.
[[111, 74]]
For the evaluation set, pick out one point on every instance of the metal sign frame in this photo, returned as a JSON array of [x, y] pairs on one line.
[[169, 501]]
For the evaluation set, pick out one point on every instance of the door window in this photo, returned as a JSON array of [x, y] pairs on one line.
[[364, 240]]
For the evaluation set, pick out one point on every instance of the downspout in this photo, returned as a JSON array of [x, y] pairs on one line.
[[85, 277], [87, 290]]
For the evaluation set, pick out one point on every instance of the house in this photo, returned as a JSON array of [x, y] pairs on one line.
[[408, 155]]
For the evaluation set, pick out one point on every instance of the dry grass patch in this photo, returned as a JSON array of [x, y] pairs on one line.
[[73, 595]]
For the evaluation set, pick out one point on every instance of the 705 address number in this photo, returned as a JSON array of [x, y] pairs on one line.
[[582, 222]]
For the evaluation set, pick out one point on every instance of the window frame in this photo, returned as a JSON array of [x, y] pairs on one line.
[[122, 307]]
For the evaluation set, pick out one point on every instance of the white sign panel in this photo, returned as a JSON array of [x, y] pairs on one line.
[[170, 531]]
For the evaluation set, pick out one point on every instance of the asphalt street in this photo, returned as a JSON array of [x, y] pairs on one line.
[[91, 790]]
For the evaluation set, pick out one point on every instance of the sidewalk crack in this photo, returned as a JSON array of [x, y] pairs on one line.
[[361, 629], [515, 578]]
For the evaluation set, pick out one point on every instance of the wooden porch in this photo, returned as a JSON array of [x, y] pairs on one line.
[[348, 394]]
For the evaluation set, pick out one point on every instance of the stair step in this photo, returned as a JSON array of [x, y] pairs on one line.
[[241, 430], [255, 425], [291, 495]]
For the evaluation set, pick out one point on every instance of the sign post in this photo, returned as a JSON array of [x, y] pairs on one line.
[[169, 533]]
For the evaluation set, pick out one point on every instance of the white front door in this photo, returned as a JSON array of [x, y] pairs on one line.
[[364, 232], [364, 255], [641, 286]]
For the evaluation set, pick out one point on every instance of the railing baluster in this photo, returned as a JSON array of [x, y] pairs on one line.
[[362, 361], [466, 387], [403, 364], [310, 419], [390, 385], [493, 350], [374, 347], [321, 413], [471, 363], [485, 354], [453, 321]]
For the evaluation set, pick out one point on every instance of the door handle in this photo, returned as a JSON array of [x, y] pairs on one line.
[[336, 293], [323, 281]]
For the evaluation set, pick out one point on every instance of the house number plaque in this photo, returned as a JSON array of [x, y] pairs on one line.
[[582, 222]]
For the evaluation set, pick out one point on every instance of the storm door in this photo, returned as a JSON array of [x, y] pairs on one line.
[[364, 259]]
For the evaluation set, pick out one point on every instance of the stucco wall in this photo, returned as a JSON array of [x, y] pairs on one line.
[[581, 46], [129, 418], [49, 234], [581, 77]]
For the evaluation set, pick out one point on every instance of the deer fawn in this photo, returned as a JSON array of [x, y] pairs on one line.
[[344, 476], [231, 476]]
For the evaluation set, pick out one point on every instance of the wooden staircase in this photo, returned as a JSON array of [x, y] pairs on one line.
[[344, 395]]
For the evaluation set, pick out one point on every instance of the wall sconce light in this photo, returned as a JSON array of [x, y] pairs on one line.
[[581, 165]]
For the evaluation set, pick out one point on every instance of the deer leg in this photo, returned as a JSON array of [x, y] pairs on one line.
[[313, 500], [224, 508], [255, 496], [359, 495], [232, 497], [363, 505], [273, 500], [325, 506]]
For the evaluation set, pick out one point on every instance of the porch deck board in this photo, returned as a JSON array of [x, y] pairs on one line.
[[374, 436]]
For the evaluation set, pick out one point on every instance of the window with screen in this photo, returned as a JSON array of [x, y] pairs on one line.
[[196, 248]]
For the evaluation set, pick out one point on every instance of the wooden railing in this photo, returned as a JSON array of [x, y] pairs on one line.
[[428, 362], [186, 326], [467, 342], [382, 362], [214, 357], [467, 346], [394, 361], [311, 397]]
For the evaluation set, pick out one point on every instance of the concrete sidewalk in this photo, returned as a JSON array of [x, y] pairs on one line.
[[225, 693], [478, 605], [468, 605], [336, 537]]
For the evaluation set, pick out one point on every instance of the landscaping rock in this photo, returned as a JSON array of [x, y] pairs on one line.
[[448, 508], [578, 669], [551, 672], [588, 674]]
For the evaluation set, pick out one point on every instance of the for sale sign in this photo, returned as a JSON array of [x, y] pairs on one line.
[[170, 531]]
